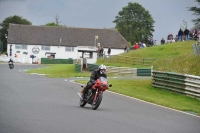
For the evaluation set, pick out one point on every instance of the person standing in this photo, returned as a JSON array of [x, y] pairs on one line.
[[162, 41], [109, 51], [102, 52], [125, 49], [180, 34], [186, 32]]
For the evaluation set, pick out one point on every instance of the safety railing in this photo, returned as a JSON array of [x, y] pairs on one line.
[[182, 83]]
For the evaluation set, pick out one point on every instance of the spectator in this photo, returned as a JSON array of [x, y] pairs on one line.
[[141, 45], [180, 34], [144, 45], [99, 51], [16, 55], [176, 38], [162, 41], [155, 42], [125, 49], [195, 36], [195, 32], [199, 36], [102, 51], [173, 40], [152, 42], [136, 46], [109, 51], [186, 32]]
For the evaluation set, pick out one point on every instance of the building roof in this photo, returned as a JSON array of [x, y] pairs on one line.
[[64, 36]]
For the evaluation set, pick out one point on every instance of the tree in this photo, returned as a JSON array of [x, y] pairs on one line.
[[52, 24], [5, 25], [134, 23], [196, 11]]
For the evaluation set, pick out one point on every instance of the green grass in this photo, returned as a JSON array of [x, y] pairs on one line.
[[60, 71]]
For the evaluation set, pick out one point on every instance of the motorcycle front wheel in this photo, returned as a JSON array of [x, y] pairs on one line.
[[82, 103], [97, 102]]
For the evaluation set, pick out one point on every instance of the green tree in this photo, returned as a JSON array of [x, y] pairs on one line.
[[52, 24], [5, 25], [196, 11], [134, 23]]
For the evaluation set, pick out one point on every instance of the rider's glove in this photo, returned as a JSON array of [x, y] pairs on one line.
[[93, 81]]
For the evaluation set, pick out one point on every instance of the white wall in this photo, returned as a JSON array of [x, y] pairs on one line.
[[113, 51], [59, 50]]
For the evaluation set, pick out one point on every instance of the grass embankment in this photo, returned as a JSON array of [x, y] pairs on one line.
[[172, 57], [175, 57]]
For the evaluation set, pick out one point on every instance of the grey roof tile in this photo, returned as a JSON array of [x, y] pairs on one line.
[[46, 35]]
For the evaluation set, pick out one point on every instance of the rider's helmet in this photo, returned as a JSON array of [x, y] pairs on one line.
[[102, 69]]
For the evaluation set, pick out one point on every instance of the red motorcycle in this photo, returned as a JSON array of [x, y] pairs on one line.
[[95, 93]]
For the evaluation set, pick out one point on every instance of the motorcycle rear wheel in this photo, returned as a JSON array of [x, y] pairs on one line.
[[96, 103]]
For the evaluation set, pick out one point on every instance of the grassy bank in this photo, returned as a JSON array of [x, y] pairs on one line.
[[172, 57]]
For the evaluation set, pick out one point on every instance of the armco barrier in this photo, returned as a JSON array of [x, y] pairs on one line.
[[92, 67], [119, 70], [56, 61], [196, 49], [78, 67], [144, 72], [183, 83], [123, 70]]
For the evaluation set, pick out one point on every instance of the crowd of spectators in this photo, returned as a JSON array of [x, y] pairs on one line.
[[182, 36]]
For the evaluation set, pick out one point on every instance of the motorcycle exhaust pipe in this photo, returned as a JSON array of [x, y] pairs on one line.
[[79, 95]]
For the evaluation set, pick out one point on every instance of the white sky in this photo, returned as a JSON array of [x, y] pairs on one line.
[[167, 14]]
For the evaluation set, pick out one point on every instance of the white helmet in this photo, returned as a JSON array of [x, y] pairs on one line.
[[102, 69]]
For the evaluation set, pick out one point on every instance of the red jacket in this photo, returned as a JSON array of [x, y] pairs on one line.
[[136, 46]]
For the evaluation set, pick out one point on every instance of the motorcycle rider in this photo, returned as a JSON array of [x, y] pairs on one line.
[[100, 72], [10, 62]]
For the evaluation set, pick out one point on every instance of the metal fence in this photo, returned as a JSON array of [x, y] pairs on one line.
[[196, 49], [182, 83], [56, 61], [123, 70]]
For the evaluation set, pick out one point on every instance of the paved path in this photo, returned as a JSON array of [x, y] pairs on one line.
[[35, 104]]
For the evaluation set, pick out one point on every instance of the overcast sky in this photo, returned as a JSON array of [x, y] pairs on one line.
[[168, 14]]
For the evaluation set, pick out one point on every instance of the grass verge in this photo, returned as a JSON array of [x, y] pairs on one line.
[[60, 71]]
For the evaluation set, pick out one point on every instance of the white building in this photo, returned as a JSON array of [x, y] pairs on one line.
[[61, 42]]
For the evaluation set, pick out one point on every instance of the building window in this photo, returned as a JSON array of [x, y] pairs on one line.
[[88, 55], [20, 46], [69, 49], [46, 48]]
